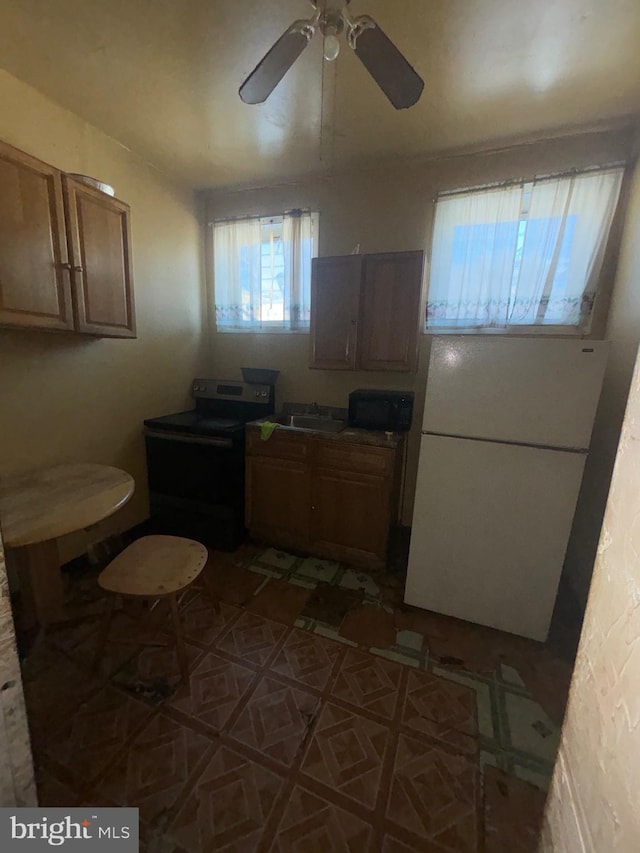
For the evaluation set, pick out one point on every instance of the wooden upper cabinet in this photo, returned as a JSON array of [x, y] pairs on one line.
[[391, 288], [34, 270], [65, 252], [335, 300], [365, 311], [100, 245]]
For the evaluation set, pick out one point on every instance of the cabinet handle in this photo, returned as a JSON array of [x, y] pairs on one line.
[[78, 269], [65, 266], [312, 507]]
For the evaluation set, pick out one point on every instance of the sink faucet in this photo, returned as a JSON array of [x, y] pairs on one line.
[[314, 409]]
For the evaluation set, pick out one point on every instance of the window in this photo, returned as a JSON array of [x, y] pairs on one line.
[[262, 272], [523, 256]]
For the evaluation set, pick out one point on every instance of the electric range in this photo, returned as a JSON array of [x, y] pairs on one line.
[[195, 462]]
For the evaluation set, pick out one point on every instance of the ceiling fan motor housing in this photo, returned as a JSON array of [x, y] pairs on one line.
[[331, 23]]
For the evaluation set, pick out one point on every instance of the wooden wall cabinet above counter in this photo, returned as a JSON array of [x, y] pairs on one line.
[[65, 252], [365, 311], [333, 498]]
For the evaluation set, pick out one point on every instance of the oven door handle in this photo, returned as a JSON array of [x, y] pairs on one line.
[[209, 441]]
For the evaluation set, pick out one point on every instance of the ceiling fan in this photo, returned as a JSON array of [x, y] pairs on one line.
[[382, 59]]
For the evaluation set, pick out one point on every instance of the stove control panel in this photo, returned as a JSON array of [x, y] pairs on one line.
[[224, 389]]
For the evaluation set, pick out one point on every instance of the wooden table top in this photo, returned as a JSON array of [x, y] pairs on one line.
[[51, 502]]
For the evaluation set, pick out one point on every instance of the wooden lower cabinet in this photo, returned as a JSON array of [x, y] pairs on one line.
[[326, 498], [277, 504], [350, 515]]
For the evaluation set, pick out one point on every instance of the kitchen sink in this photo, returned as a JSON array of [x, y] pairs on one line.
[[320, 423]]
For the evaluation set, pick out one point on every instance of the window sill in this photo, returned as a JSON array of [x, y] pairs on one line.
[[259, 330], [512, 331]]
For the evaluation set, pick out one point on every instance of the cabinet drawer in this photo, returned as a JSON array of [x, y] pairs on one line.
[[355, 457], [282, 443]]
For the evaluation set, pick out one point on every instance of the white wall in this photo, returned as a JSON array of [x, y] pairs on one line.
[[623, 330], [593, 802]]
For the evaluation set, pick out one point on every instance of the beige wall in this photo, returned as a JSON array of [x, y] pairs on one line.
[[65, 398], [623, 330], [387, 210], [593, 802]]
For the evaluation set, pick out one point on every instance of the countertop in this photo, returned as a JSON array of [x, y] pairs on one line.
[[349, 435]]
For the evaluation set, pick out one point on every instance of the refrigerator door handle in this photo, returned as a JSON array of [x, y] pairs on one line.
[[583, 450]]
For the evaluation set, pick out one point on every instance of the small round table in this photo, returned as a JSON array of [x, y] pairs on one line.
[[38, 507]]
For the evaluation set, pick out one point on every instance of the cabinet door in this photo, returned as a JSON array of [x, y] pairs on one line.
[[100, 244], [392, 285], [35, 287], [350, 515], [277, 499], [335, 295]]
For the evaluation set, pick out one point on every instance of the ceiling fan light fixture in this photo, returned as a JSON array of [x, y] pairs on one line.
[[331, 25], [331, 47]]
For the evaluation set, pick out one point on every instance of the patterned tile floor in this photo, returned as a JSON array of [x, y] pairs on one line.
[[321, 715]]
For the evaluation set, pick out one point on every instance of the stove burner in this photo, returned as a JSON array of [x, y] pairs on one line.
[[217, 423]]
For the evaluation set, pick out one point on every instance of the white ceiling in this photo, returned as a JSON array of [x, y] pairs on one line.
[[161, 76]]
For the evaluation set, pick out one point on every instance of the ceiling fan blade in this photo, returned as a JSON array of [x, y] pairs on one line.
[[274, 65], [388, 67]]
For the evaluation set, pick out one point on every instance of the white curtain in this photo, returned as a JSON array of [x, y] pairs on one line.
[[567, 226], [298, 239], [528, 254], [237, 272], [262, 272], [474, 244]]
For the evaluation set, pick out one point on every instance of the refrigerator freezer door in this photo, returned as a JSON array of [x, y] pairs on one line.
[[490, 530], [526, 390]]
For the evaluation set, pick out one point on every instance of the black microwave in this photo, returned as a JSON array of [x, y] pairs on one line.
[[390, 411]]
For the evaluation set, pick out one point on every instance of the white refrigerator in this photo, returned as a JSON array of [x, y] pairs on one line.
[[506, 427]]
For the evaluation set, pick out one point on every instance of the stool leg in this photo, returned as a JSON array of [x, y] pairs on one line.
[[180, 647], [103, 634]]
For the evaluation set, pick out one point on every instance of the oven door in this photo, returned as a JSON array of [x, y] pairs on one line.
[[205, 469], [196, 487]]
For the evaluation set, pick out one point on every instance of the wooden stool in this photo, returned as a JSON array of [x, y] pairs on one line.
[[153, 567]]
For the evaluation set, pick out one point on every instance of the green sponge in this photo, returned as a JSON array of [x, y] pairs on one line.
[[266, 429]]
